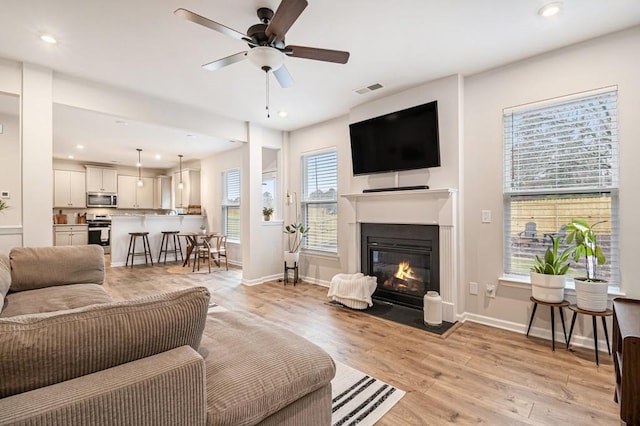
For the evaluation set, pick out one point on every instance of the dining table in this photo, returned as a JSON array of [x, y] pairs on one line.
[[193, 240]]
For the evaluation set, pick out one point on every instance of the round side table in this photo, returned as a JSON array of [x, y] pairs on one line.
[[593, 314], [551, 305]]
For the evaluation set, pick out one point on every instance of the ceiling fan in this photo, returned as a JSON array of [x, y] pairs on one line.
[[266, 41]]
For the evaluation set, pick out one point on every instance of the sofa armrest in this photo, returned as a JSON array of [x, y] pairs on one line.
[[164, 389]]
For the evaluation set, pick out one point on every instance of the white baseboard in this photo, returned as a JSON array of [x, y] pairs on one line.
[[542, 333], [261, 280], [316, 281]]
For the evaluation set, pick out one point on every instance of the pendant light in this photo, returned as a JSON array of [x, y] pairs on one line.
[[140, 183], [180, 185]]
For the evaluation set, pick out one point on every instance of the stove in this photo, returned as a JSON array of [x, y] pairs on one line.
[[99, 226]]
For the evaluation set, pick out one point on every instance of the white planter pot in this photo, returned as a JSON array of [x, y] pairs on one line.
[[291, 258], [591, 296], [547, 288], [432, 308]]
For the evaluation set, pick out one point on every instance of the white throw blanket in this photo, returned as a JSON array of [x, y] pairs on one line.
[[353, 290]]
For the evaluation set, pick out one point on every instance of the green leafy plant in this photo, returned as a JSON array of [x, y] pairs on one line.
[[3, 205], [553, 263], [267, 211], [296, 232], [583, 239]]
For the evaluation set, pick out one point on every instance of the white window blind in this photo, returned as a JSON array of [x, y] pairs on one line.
[[320, 201], [231, 203], [560, 163]]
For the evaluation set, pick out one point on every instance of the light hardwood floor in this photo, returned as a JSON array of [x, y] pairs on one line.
[[477, 375]]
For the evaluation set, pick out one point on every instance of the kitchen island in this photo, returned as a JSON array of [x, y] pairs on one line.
[[121, 225]]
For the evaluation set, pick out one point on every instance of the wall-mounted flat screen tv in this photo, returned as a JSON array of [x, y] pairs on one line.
[[401, 140]]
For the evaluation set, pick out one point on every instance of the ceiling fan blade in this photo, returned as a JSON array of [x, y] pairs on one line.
[[216, 65], [326, 55], [205, 22], [283, 19], [284, 78]]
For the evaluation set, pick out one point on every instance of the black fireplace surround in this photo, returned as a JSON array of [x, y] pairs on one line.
[[404, 258]]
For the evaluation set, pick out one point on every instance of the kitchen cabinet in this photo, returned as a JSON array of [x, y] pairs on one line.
[[162, 195], [71, 235], [132, 196], [100, 179], [190, 192], [69, 189]]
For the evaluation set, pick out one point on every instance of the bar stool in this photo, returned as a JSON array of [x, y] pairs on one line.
[[164, 245], [132, 247], [551, 305]]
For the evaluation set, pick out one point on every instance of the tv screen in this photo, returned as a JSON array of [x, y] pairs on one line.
[[401, 140]]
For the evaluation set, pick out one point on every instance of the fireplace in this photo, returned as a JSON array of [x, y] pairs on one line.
[[404, 258]]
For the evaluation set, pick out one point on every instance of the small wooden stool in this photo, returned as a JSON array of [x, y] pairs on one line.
[[164, 246], [132, 247], [593, 314], [551, 305]]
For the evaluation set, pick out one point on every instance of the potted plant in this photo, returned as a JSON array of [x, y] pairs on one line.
[[547, 274], [296, 232], [591, 292], [3, 205], [266, 213]]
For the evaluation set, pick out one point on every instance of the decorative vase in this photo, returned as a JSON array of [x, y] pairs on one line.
[[547, 288], [591, 295], [432, 308], [291, 258]]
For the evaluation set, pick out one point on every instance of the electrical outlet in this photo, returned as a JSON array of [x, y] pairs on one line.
[[486, 216], [473, 288], [5, 194], [491, 290]]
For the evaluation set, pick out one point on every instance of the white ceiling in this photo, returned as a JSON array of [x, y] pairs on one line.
[[140, 45]]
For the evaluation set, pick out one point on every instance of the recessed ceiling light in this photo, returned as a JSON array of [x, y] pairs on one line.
[[550, 9], [48, 38], [158, 156], [70, 157], [282, 114], [80, 146], [191, 136], [122, 122]]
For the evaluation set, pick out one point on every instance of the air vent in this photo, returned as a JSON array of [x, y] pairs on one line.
[[369, 88]]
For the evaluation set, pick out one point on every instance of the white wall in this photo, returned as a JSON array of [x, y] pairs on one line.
[[611, 60], [211, 169], [335, 134], [10, 180]]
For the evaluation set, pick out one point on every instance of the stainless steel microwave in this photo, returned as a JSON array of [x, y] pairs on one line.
[[101, 199]]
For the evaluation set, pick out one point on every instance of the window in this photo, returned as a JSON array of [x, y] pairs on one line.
[[320, 201], [231, 204], [560, 163]]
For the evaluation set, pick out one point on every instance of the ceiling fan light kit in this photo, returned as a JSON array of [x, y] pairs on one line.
[[266, 43]]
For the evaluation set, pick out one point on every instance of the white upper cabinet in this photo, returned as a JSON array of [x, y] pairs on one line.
[[69, 189], [101, 179], [132, 196]]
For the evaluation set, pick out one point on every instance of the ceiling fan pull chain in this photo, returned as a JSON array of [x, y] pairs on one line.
[[266, 74]]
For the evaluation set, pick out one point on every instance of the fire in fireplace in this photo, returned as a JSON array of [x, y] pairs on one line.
[[403, 258]]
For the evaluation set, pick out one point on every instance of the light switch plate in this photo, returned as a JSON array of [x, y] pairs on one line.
[[486, 216]]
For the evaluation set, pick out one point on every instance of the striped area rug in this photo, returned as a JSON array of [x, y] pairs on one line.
[[358, 398]]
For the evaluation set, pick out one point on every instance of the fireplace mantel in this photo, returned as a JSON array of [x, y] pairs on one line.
[[423, 206]]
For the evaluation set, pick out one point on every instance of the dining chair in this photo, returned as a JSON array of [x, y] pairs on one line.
[[220, 251]]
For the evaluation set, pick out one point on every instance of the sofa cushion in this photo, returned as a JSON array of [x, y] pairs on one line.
[[41, 349], [38, 267], [255, 368], [5, 278], [52, 299]]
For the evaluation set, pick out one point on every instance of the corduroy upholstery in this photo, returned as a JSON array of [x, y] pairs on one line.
[[39, 267], [5, 278], [164, 389], [42, 349], [255, 369]]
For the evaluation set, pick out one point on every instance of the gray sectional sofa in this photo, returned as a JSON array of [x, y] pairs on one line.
[[70, 355]]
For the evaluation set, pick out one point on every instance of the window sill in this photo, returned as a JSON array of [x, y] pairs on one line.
[[272, 222], [320, 254], [520, 281]]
